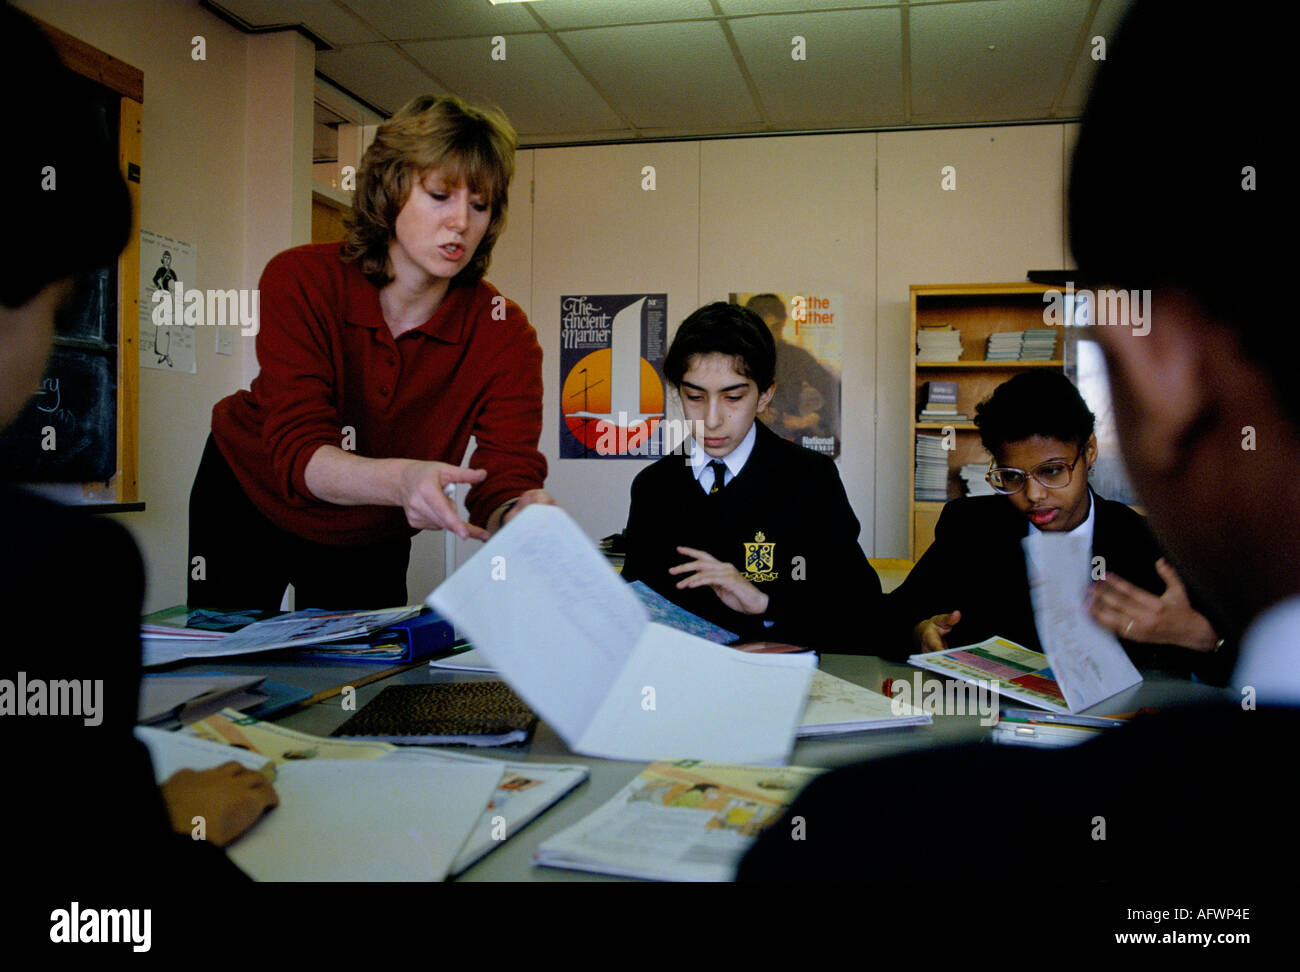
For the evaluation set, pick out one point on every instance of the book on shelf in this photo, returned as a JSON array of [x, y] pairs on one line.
[[940, 342], [939, 402], [1039, 344], [1004, 346], [931, 468], [973, 475]]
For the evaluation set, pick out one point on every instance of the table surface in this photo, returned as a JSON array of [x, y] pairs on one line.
[[512, 861]]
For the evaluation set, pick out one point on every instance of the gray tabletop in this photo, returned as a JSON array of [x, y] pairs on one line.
[[512, 861]]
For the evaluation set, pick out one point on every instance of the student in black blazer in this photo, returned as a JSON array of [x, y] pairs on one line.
[[771, 552], [971, 583]]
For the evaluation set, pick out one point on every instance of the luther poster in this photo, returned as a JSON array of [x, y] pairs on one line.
[[611, 375], [808, 330]]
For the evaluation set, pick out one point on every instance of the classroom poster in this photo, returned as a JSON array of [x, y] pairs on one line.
[[165, 263], [611, 375], [808, 330]]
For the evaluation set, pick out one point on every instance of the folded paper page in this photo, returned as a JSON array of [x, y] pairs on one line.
[[549, 614]]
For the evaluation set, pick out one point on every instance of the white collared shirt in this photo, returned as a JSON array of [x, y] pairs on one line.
[[1084, 529], [734, 460], [1269, 661]]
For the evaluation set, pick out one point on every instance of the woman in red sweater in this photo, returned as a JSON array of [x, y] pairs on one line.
[[380, 357]]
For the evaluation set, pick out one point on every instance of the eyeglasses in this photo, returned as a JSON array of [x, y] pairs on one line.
[[1054, 474]]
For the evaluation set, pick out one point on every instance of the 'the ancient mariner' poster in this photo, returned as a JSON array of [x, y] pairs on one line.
[[611, 375], [808, 329]]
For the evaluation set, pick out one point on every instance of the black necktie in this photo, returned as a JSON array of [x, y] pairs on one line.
[[719, 475]]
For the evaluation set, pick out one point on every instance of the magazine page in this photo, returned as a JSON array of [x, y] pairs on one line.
[[681, 821]]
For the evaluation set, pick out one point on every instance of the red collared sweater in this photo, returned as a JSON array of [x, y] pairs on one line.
[[332, 374]]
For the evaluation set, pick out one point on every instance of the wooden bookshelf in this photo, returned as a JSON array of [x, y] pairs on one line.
[[976, 310]]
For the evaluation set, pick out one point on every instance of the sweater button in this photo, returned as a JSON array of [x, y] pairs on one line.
[[383, 390]]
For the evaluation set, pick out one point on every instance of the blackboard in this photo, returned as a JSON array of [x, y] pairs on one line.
[[68, 431], [80, 426]]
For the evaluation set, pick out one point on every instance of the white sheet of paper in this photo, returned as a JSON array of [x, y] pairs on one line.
[[683, 697], [1088, 661], [172, 751], [548, 612], [541, 604], [366, 820], [465, 661]]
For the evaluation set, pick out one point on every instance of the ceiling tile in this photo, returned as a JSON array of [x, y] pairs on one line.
[[852, 74], [322, 17], [536, 85], [956, 78], [377, 74], [567, 14], [670, 77], [425, 20], [735, 7]]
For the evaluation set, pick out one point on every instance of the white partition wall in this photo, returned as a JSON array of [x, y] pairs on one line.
[[792, 214], [597, 231]]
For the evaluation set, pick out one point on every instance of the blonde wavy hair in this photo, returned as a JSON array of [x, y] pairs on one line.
[[468, 144]]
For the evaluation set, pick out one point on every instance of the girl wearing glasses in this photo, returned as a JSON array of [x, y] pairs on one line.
[[972, 582]]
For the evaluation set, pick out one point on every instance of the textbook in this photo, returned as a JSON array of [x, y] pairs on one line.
[[665, 612], [1002, 666], [523, 793], [447, 713], [678, 821], [542, 606], [836, 706]]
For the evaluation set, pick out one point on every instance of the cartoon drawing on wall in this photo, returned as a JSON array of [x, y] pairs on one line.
[[167, 265]]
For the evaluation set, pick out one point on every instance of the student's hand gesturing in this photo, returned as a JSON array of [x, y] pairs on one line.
[[1139, 615], [931, 632], [732, 589]]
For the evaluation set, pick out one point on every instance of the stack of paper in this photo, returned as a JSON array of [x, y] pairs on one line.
[[545, 609], [941, 343], [1004, 346], [1039, 344], [293, 630], [973, 475], [931, 468], [682, 821]]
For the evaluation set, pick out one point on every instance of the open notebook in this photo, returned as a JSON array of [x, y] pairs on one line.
[[542, 606]]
